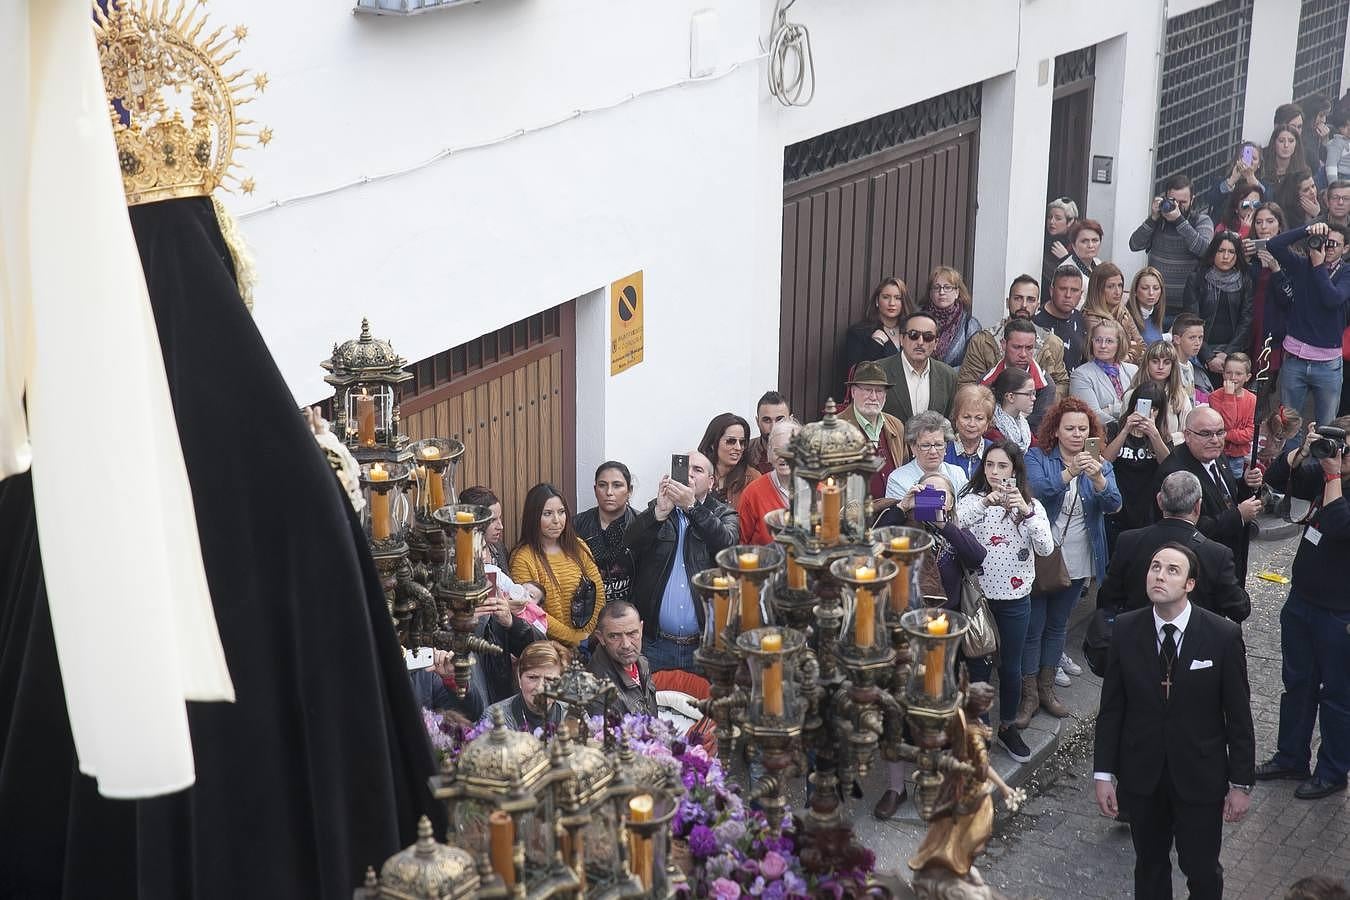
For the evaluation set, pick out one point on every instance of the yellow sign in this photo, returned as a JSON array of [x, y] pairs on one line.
[[625, 323]]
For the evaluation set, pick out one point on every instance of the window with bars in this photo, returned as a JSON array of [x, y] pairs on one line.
[[1204, 89], [1075, 65], [482, 352], [1321, 48]]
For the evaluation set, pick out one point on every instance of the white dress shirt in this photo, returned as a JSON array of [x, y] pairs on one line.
[[917, 383]]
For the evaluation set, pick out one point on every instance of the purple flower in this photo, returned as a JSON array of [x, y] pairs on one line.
[[702, 842], [726, 890], [776, 890], [730, 831], [773, 865]]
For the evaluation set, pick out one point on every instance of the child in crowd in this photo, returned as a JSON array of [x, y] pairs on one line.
[[1237, 406], [1188, 336]]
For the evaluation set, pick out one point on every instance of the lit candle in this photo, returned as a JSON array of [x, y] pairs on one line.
[[464, 547], [900, 543], [749, 593], [796, 575], [365, 419], [934, 659], [379, 505], [864, 610], [640, 848], [831, 498], [502, 839], [773, 674], [435, 488], [721, 609]]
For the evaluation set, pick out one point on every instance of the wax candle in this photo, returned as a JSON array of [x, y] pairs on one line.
[[721, 599], [773, 674], [502, 839], [379, 505], [365, 419], [796, 575], [640, 848], [934, 659], [831, 498], [749, 593], [900, 543], [864, 610], [463, 547], [435, 487], [900, 589]]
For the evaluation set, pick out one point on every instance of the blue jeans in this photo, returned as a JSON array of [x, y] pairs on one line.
[[1047, 625], [1237, 465], [662, 655], [1012, 617], [1298, 376], [1315, 645]]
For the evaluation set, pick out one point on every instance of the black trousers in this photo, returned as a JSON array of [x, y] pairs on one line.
[[1159, 818]]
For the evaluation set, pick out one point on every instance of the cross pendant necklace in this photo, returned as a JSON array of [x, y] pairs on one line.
[[1167, 686]]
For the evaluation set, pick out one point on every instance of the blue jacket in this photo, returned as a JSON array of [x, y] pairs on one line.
[[1316, 315], [1045, 472]]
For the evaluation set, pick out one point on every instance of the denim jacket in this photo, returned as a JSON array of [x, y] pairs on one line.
[[1045, 472]]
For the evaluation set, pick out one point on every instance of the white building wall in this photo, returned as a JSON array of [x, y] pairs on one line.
[[683, 183]]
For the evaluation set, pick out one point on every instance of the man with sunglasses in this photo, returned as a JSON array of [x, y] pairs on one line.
[[920, 382], [1314, 319], [989, 347]]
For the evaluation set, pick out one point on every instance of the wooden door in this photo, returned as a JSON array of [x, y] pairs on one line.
[[1070, 141]]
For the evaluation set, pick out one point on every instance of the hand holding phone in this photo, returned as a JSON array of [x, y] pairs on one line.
[[1248, 156], [1094, 447], [679, 467], [1144, 407]]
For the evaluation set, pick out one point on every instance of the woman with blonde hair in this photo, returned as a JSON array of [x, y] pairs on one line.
[[1147, 304], [972, 416], [1101, 382], [1159, 366], [947, 301], [1060, 214], [530, 710], [1106, 302]]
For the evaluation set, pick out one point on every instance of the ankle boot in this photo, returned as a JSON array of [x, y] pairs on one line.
[[1030, 702], [1045, 687]]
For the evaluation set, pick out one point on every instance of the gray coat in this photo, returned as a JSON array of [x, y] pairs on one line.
[[1091, 385], [1174, 249]]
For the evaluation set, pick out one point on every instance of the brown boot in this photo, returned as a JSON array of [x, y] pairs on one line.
[[1045, 686], [1030, 702]]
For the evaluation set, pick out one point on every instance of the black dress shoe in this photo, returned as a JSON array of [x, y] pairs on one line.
[[1273, 771], [1316, 789], [888, 804]]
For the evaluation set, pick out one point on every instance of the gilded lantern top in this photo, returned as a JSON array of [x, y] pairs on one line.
[[366, 358], [591, 770], [502, 759], [830, 444], [429, 869], [157, 66]]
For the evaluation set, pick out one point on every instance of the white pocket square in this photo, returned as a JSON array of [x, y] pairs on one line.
[[1201, 664]]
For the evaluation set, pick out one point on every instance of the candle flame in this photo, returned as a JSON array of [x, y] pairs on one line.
[[376, 468]]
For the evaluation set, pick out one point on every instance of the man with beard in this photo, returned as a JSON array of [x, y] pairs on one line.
[[1018, 351], [619, 657], [866, 397], [1062, 316], [986, 349]]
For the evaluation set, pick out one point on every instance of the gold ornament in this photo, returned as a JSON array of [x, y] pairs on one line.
[[153, 63]]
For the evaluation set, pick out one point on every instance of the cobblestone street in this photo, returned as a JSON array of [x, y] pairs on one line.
[[1060, 846]]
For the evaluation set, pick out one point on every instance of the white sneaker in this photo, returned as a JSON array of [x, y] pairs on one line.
[[1069, 666], [1061, 679]]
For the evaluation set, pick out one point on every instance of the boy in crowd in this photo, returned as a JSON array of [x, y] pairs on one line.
[[1237, 405], [1188, 336]]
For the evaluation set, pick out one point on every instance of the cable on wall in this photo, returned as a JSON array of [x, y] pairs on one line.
[[790, 50]]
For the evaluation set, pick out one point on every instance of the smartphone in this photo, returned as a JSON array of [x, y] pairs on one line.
[[1144, 407], [1094, 446], [679, 467], [1248, 155], [1259, 244]]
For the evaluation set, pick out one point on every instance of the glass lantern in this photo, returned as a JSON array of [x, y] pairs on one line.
[[464, 525], [905, 546], [751, 568], [934, 637], [774, 695], [865, 582], [370, 415], [721, 617], [831, 462], [436, 461], [385, 517]]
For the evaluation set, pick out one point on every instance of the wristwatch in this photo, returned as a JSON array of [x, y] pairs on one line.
[[1245, 788]]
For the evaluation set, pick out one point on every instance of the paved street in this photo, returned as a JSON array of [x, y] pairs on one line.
[[1060, 847]]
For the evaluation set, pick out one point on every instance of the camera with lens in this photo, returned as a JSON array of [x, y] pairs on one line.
[[1316, 242], [1330, 440], [1167, 205]]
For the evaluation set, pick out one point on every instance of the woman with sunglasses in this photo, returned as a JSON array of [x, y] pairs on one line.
[[1244, 173], [724, 443], [948, 302], [1147, 304], [1059, 218], [1239, 212], [1219, 291]]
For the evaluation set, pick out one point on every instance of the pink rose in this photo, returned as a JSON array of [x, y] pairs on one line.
[[772, 866], [725, 889]]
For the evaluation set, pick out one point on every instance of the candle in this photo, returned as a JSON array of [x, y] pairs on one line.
[[464, 547], [796, 575], [900, 589], [365, 419], [749, 593], [864, 610], [900, 543], [831, 497], [640, 848], [773, 674], [435, 487], [934, 659], [379, 505], [502, 839], [721, 610]]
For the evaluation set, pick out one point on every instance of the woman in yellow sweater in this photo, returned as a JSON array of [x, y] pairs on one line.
[[550, 554]]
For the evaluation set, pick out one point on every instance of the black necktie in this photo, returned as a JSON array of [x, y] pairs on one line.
[[1218, 480], [1167, 655]]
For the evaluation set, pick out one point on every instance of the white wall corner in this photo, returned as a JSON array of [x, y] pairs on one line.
[[592, 376]]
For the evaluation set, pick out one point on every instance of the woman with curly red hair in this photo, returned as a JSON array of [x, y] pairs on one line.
[[1078, 491]]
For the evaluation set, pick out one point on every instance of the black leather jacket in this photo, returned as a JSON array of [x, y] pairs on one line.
[[713, 526]]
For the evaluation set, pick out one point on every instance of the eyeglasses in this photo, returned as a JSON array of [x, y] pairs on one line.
[[735, 441], [930, 448], [1249, 204], [1103, 341], [1023, 393], [926, 336], [944, 289], [1208, 435]]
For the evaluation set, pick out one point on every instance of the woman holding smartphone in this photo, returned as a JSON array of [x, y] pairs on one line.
[[1139, 443], [998, 510]]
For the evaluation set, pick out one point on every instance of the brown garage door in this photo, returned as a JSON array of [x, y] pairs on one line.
[[509, 396], [900, 211]]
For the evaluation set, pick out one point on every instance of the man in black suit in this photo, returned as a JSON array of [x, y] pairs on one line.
[[1175, 747], [1227, 506], [1216, 585], [919, 382]]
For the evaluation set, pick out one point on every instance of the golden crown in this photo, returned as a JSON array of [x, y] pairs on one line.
[[150, 60]]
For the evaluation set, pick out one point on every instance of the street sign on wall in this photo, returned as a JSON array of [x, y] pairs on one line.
[[625, 323]]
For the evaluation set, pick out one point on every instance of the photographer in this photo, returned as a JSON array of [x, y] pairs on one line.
[[1315, 621], [1175, 236], [1315, 318]]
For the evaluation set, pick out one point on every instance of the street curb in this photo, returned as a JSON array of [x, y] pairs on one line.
[[1275, 528]]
